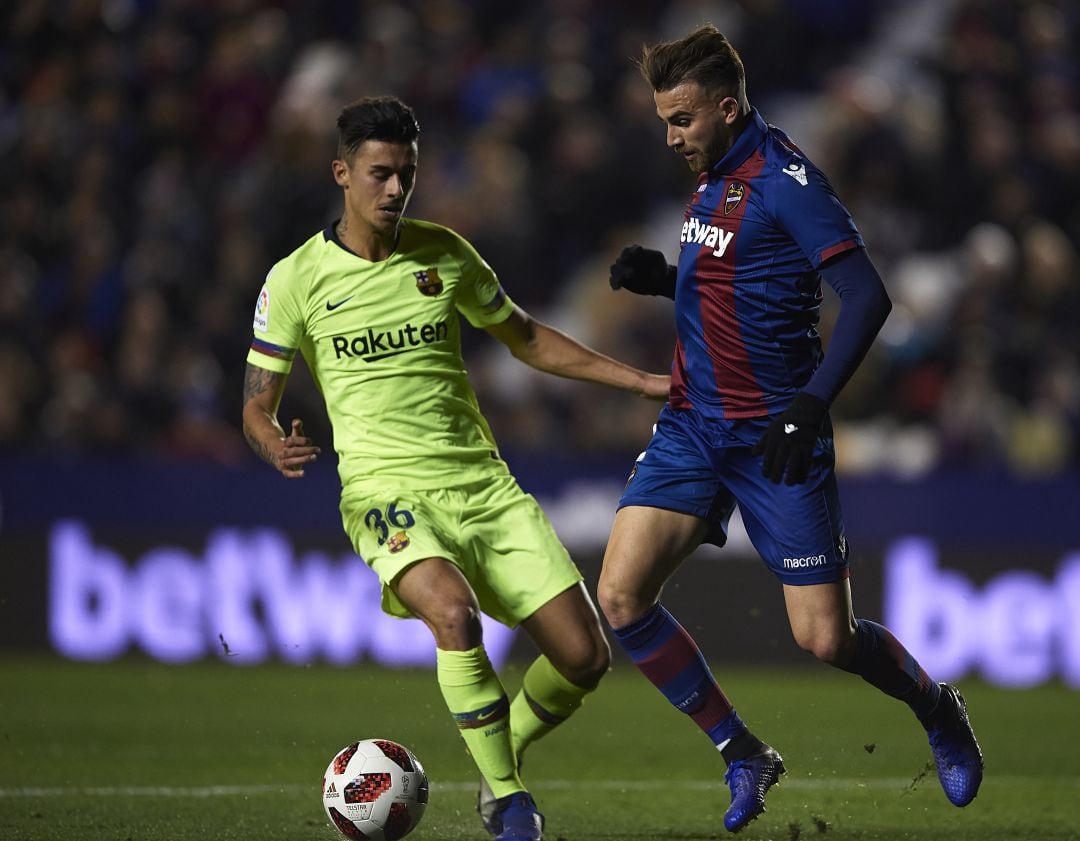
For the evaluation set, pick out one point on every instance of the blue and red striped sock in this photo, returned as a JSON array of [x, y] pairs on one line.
[[667, 655], [882, 661]]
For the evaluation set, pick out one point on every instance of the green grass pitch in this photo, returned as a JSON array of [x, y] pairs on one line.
[[134, 751]]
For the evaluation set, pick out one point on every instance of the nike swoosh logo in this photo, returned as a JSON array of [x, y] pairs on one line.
[[331, 307]]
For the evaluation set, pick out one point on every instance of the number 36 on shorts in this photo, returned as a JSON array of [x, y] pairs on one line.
[[380, 521]]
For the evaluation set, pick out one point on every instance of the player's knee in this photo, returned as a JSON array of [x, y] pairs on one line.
[[620, 606], [583, 660], [456, 626], [828, 647], [590, 665], [613, 604]]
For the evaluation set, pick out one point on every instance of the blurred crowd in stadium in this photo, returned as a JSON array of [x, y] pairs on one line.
[[157, 156]]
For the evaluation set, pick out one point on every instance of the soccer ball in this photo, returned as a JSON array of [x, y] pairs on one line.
[[375, 790]]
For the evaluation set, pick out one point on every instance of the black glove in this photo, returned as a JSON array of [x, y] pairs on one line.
[[788, 443], [643, 271]]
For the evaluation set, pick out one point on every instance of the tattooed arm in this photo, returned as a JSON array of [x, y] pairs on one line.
[[285, 453]]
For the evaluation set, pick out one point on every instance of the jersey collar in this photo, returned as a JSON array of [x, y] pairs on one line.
[[330, 234], [748, 140]]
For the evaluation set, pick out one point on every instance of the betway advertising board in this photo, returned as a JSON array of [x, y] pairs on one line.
[[184, 562]]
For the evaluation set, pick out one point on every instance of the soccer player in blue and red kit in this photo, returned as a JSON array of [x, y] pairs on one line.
[[747, 419]]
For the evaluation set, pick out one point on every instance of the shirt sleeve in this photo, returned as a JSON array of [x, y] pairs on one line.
[[864, 306], [481, 298], [277, 326], [806, 206]]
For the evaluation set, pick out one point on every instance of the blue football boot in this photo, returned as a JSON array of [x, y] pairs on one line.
[[956, 753], [749, 779], [518, 818]]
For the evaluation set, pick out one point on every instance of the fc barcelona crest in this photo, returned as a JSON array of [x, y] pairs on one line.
[[735, 193], [428, 282]]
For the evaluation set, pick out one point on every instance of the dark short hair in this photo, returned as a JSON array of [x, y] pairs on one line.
[[705, 56], [384, 118]]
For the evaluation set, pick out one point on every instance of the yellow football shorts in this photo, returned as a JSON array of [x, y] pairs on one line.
[[493, 531]]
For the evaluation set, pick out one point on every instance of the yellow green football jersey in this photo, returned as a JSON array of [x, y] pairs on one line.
[[383, 342]]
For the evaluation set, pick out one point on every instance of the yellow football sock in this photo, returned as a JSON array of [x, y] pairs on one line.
[[545, 701], [478, 702]]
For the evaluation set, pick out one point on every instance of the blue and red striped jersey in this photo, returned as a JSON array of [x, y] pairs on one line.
[[748, 293]]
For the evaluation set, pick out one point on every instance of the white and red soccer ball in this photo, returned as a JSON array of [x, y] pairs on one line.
[[375, 790]]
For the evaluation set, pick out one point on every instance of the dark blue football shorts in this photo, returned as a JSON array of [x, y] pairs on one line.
[[705, 467]]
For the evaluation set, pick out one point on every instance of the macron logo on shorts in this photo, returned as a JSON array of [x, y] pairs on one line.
[[803, 563]]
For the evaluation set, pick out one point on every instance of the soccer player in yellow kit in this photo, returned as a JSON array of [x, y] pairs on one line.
[[372, 304]]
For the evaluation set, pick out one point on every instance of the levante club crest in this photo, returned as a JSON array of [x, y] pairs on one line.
[[735, 193], [428, 282]]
